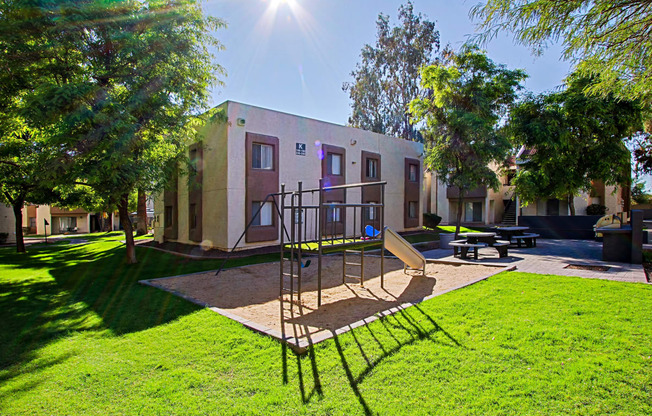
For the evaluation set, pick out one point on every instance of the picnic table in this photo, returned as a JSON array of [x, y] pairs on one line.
[[474, 238], [519, 234], [478, 240]]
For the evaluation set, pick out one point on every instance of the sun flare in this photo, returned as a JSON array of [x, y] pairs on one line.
[[278, 3]]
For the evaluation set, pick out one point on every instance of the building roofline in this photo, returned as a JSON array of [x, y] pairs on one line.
[[312, 119]]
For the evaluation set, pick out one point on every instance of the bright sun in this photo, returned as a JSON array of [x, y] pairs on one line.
[[278, 3]]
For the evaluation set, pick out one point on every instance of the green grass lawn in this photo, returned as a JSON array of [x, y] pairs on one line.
[[80, 336], [451, 229]]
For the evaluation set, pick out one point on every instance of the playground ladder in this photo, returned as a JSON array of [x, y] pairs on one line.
[[346, 263]]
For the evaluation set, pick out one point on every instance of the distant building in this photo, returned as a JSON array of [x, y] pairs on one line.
[[484, 206], [8, 223], [63, 221]]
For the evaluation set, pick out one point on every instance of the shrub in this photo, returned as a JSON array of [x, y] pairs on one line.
[[596, 209], [3, 237], [431, 220]]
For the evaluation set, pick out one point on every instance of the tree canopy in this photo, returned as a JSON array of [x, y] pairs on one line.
[[574, 139], [388, 77], [609, 38], [468, 94], [115, 86]]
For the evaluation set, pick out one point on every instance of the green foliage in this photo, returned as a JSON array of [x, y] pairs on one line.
[[431, 220], [596, 209], [81, 336], [468, 95], [113, 86], [575, 139], [605, 38], [388, 77], [639, 194]]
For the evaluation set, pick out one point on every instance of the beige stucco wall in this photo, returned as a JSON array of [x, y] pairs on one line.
[[215, 187], [613, 199], [44, 212], [8, 223], [157, 224], [291, 129]]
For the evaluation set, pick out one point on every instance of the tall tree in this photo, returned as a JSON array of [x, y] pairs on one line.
[[29, 164], [467, 96], [388, 77], [609, 38], [125, 118], [28, 169], [575, 139]]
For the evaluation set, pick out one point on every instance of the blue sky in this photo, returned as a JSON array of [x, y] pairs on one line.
[[294, 55]]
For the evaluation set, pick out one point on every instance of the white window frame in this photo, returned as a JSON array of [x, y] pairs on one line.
[[334, 214], [413, 213], [264, 217], [331, 158], [413, 175], [265, 159], [371, 212], [372, 168]]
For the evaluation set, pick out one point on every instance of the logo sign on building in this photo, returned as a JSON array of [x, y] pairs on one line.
[[301, 149]]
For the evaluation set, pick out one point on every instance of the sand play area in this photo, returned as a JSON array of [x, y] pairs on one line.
[[251, 294]]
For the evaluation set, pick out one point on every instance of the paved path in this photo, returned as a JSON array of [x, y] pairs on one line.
[[552, 257]]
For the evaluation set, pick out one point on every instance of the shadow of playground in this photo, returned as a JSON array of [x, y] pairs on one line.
[[374, 344]]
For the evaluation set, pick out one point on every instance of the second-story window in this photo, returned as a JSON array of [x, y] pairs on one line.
[[413, 173], [262, 156], [334, 162], [372, 168]]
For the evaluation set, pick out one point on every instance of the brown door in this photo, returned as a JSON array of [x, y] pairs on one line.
[[333, 172], [371, 172]]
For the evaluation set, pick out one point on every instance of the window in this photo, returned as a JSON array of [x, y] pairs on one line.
[[372, 168], [509, 178], [372, 212], [262, 156], [299, 216], [193, 216], [413, 209], [67, 224], [168, 216], [264, 217], [334, 164], [552, 207], [413, 173], [334, 214], [473, 212]]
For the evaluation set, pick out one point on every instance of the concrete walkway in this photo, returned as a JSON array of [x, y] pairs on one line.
[[554, 257]]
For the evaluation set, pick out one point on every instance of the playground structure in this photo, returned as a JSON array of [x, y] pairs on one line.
[[329, 227]]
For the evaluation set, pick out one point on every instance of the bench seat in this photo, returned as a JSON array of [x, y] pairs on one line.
[[530, 239], [464, 248]]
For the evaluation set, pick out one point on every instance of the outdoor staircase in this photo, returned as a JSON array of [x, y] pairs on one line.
[[509, 216]]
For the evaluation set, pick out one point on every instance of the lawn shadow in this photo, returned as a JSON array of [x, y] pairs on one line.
[[92, 289], [391, 324], [401, 333]]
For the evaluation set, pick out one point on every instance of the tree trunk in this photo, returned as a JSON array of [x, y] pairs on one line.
[[141, 225], [571, 204], [460, 203], [123, 210], [18, 214]]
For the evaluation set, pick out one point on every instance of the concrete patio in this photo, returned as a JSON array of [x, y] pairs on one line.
[[554, 257]]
